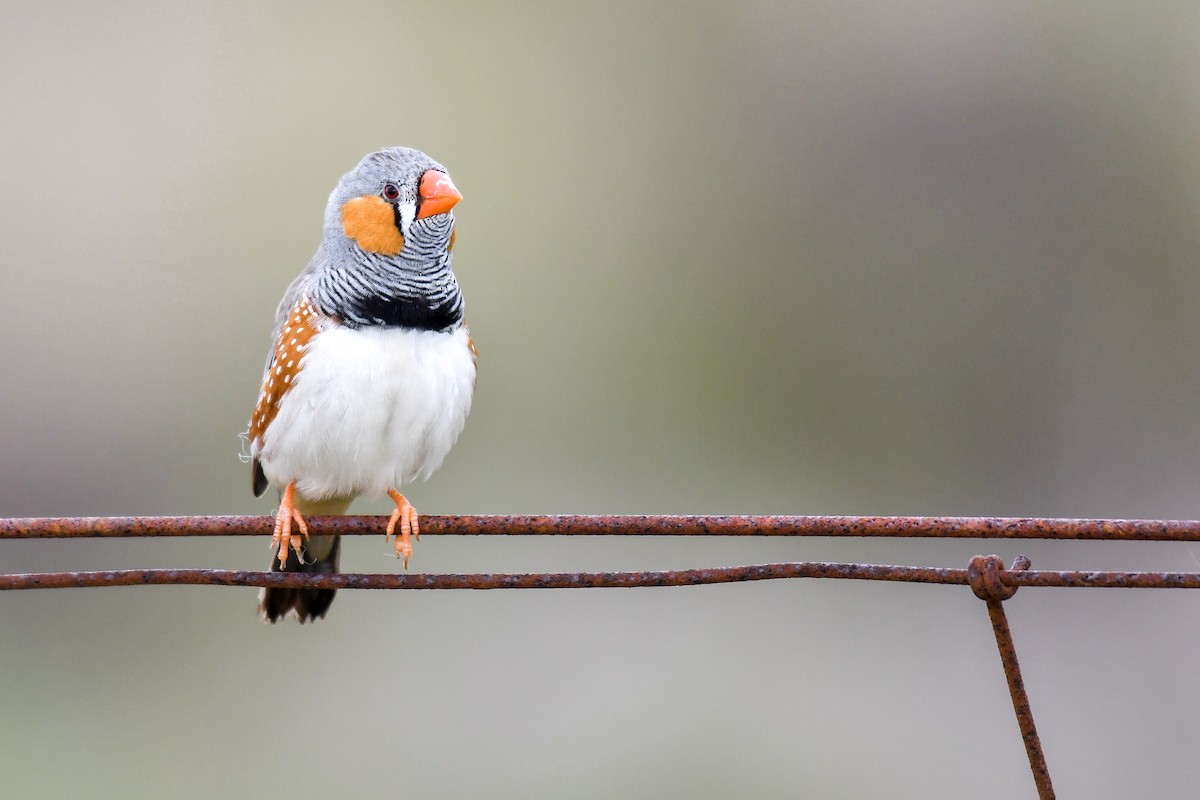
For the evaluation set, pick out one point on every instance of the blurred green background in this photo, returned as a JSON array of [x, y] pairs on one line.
[[752, 257]]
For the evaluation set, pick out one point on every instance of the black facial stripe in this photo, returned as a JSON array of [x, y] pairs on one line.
[[420, 200]]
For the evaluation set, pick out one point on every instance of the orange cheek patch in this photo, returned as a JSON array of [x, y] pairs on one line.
[[297, 331], [453, 233], [371, 223]]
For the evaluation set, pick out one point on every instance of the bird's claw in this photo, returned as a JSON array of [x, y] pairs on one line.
[[406, 516], [282, 537]]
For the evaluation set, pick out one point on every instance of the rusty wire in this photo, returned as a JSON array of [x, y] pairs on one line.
[[552, 580], [531, 525], [595, 580], [986, 575], [939, 527]]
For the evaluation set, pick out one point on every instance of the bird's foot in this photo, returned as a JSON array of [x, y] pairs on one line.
[[283, 525], [406, 515]]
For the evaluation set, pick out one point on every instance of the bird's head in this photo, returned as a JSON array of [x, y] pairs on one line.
[[395, 196], [385, 258]]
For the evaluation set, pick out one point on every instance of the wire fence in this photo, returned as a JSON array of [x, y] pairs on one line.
[[985, 575]]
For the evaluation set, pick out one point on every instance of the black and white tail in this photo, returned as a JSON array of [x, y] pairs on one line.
[[320, 555]]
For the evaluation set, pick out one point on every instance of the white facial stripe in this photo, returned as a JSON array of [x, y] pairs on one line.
[[408, 212]]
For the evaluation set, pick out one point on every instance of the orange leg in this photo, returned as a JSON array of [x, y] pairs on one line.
[[406, 515], [283, 525]]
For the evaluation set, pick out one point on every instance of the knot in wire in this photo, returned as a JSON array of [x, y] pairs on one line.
[[985, 574]]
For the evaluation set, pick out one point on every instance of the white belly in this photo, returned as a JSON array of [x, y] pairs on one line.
[[371, 410]]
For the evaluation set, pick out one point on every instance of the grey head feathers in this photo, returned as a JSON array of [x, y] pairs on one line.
[[401, 166], [360, 284]]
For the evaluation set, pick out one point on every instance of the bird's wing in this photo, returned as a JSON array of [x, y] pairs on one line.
[[296, 321]]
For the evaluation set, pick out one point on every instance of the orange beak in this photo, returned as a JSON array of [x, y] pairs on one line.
[[438, 194]]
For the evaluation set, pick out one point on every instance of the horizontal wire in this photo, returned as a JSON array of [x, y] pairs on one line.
[[986, 575], [557, 580], [946, 527], [593, 580], [533, 525]]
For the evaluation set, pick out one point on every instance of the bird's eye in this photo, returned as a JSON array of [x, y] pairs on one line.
[[391, 191]]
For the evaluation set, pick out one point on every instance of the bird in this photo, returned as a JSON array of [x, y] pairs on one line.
[[371, 371]]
